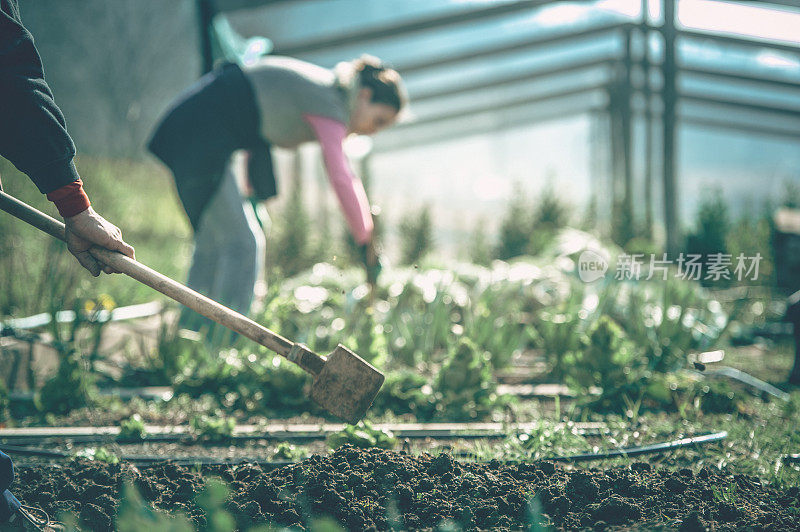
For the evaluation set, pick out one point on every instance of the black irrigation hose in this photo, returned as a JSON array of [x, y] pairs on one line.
[[745, 378], [33, 451], [145, 460], [273, 464], [626, 451], [644, 449], [441, 434], [171, 438]]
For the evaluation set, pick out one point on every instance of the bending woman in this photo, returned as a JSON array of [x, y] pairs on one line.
[[276, 101]]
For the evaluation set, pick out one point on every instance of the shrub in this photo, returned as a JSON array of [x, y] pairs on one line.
[[416, 235], [213, 428], [515, 229], [712, 225], [479, 250], [606, 358], [266, 384], [406, 392], [132, 428], [289, 250], [464, 387], [751, 235], [549, 216], [71, 387]]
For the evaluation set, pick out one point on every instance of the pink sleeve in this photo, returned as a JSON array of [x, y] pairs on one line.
[[331, 133]]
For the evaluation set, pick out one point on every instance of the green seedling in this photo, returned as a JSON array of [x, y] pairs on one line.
[[287, 451], [98, 454], [363, 435], [212, 428], [132, 428]]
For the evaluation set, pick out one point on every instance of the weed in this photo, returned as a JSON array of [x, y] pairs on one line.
[[287, 451], [464, 387], [72, 387], [362, 435], [725, 493], [416, 235], [99, 454], [132, 428], [212, 428]]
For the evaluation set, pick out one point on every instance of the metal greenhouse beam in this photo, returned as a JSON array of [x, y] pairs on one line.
[[739, 41], [669, 96], [525, 43], [466, 125], [517, 77], [505, 105], [358, 36], [234, 5], [761, 129], [769, 3], [738, 76], [739, 104]]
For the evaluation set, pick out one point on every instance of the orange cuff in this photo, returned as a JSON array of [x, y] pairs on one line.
[[70, 199]]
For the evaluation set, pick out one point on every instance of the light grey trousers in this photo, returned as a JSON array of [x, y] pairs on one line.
[[229, 254]]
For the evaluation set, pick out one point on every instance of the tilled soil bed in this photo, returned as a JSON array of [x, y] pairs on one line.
[[378, 490]]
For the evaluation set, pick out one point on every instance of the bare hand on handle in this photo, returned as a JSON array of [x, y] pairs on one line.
[[89, 228]]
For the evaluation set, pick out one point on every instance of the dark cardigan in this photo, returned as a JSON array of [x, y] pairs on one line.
[[203, 127]]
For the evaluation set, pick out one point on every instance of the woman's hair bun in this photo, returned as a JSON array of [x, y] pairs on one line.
[[385, 83], [369, 64]]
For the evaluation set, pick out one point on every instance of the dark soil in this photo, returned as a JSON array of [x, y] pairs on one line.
[[378, 490]]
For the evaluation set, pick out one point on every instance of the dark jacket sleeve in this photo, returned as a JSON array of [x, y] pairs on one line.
[[33, 132], [261, 172]]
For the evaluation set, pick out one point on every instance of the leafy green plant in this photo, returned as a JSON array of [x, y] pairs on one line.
[[751, 235], [248, 382], [545, 439], [606, 359], [717, 397], [712, 225], [549, 215], [134, 514], [725, 493], [72, 387], [667, 319], [362, 435], [172, 357], [132, 428], [367, 339], [557, 329], [464, 387], [406, 392], [212, 501], [416, 235], [479, 249], [99, 454], [515, 229], [212, 428], [287, 451]]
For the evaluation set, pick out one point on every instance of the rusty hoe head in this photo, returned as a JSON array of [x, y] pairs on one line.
[[347, 385]]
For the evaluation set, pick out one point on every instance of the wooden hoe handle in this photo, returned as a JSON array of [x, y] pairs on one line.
[[297, 353]]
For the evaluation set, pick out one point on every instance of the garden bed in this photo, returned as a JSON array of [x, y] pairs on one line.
[[377, 489]]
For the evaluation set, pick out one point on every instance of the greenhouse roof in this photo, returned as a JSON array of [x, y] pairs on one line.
[[474, 64]]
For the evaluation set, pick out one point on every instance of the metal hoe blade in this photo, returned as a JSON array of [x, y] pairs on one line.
[[347, 385]]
